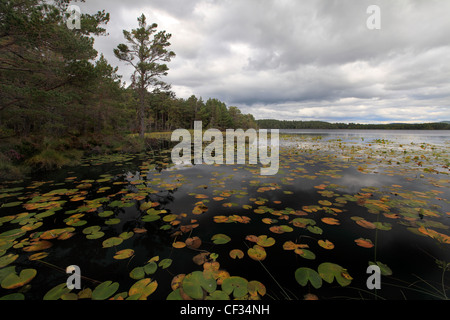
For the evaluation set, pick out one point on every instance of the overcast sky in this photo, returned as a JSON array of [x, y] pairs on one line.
[[301, 60]]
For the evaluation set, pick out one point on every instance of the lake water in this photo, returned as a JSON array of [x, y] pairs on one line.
[[440, 137], [373, 195]]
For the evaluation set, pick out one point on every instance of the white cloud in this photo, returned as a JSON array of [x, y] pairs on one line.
[[302, 60]]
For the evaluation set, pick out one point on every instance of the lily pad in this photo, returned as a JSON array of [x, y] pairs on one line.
[[105, 290], [56, 292], [220, 238], [330, 271], [111, 242], [142, 289], [305, 275], [165, 263], [124, 254], [385, 270], [236, 285], [13, 281], [257, 253], [264, 241], [195, 283], [236, 254]]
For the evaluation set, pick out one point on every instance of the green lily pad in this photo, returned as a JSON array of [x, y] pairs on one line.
[[111, 242], [13, 296], [220, 238], [13, 281], [105, 290], [150, 218], [150, 268], [194, 284], [330, 271], [303, 275], [123, 254], [142, 289], [257, 253], [126, 235], [56, 292], [175, 295], [315, 229], [236, 285], [264, 241], [218, 295], [137, 273], [5, 260], [385, 270], [105, 214], [165, 263]]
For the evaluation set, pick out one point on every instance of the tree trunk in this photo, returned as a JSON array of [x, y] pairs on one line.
[[142, 112]]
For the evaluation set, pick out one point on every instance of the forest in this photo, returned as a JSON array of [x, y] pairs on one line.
[[60, 98], [286, 124]]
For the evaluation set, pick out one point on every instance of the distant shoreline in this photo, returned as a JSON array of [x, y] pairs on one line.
[[294, 125]]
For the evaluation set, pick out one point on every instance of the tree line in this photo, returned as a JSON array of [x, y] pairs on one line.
[[291, 124], [59, 96], [54, 83]]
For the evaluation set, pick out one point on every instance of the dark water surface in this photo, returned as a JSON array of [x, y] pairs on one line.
[[372, 182]]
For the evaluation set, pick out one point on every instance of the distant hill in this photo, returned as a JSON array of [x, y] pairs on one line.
[[286, 124]]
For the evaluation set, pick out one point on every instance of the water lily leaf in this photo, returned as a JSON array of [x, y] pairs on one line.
[[137, 273], [38, 256], [193, 243], [264, 241], [150, 218], [175, 295], [255, 288], [13, 280], [366, 224], [218, 295], [126, 235], [305, 275], [330, 271], [5, 260], [384, 269], [56, 292], [37, 246], [105, 214], [305, 253], [236, 285], [220, 238], [105, 290], [142, 289], [201, 258], [330, 221], [326, 244], [165, 263], [112, 221], [13, 296], [150, 268], [178, 244], [315, 229], [111, 242], [236, 254], [365, 243], [12, 234], [194, 284], [383, 226], [257, 253], [90, 230], [124, 254]]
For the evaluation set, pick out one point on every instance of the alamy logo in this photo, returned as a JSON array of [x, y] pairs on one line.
[[258, 147], [374, 20], [73, 14]]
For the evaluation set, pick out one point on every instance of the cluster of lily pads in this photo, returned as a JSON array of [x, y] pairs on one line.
[[36, 217]]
